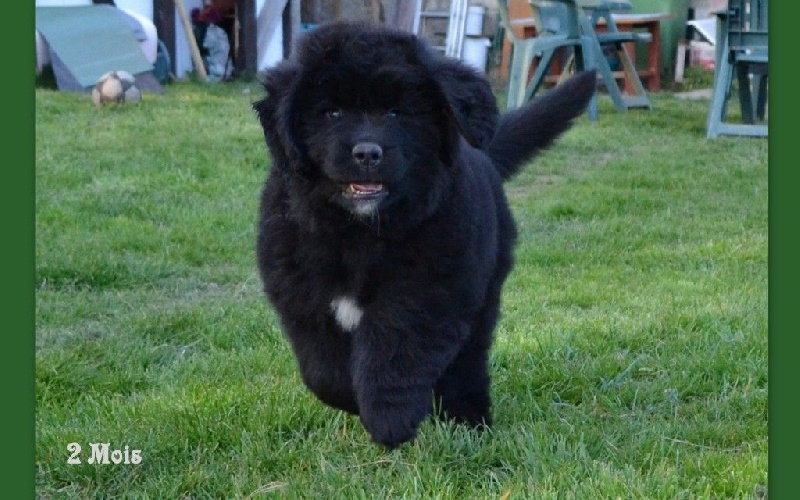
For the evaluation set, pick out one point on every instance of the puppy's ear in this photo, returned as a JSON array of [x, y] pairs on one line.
[[470, 100], [276, 113]]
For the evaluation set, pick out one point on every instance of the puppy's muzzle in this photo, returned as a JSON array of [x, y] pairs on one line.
[[367, 154]]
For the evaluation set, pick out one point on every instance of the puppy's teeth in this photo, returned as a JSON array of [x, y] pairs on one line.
[[365, 188]]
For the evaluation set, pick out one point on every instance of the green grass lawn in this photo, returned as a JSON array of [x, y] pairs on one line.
[[630, 361]]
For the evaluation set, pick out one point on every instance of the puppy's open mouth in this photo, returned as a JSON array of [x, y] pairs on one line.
[[364, 191]]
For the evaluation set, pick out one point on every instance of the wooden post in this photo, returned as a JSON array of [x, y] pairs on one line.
[[164, 19], [199, 66], [246, 62], [400, 14], [680, 61]]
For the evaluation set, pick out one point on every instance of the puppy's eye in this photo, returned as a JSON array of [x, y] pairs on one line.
[[392, 113], [333, 113]]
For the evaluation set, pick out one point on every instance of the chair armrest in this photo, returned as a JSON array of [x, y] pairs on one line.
[[577, 3], [617, 5], [624, 36]]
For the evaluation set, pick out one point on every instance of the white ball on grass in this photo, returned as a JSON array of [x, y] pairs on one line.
[[116, 87]]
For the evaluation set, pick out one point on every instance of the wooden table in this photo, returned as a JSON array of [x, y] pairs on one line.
[[651, 23], [651, 73]]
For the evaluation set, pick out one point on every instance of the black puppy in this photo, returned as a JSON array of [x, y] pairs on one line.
[[384, 235]]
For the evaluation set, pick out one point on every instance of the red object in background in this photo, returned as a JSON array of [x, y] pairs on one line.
[[207, 15]]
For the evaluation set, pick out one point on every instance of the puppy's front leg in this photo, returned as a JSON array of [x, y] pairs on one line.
[[397, 356]]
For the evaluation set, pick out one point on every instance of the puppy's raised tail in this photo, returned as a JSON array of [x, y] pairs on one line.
[[523, 132]]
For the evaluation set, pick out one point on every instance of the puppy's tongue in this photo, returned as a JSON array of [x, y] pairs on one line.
[[364, 188]]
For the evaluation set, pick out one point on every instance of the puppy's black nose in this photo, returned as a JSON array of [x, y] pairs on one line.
[[367, 154]]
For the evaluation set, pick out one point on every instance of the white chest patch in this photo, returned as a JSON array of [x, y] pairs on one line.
[[347, 312], [366, 208]]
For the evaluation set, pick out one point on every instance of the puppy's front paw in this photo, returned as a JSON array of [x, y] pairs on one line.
[[392, 427], [390, 434]]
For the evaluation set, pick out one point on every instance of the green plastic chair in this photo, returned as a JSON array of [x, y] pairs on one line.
[[557, 27], [603, 9], [741, 47], [570, 25]]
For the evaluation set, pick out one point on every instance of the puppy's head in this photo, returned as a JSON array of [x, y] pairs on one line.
[[372, 116]]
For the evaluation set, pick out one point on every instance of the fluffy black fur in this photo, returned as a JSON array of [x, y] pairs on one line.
[[384, 234]]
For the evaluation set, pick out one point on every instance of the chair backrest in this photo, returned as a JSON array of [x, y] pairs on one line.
[[549, 17], [559, 16], [556, 17], [505, 19], [748, 25]]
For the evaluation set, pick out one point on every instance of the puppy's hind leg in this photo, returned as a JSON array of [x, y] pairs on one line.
[[462, 392]]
